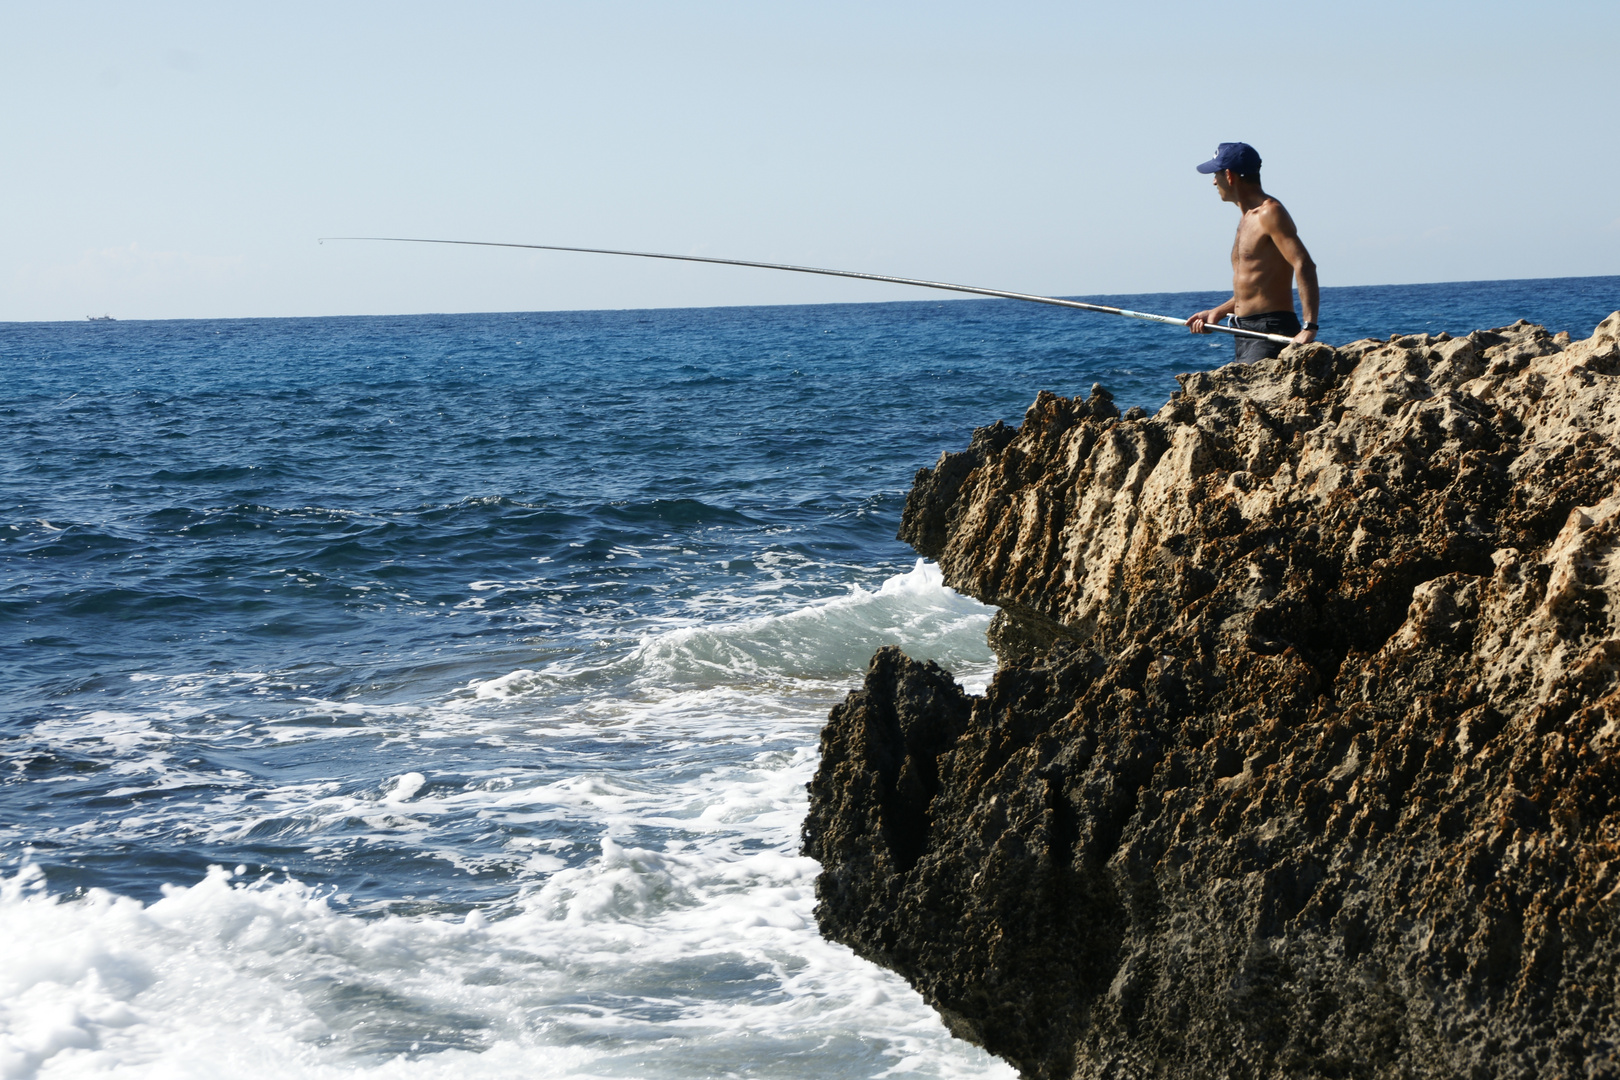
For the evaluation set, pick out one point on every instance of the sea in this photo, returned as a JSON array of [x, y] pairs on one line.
[[435, 695]]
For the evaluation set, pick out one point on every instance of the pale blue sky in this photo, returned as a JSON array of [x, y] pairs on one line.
[[179, 160]]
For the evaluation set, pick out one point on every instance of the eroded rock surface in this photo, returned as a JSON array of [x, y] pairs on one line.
[[1301, 759]]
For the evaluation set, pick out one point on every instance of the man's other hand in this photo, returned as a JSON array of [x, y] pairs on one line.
[[1196, 322], [1304, 336]]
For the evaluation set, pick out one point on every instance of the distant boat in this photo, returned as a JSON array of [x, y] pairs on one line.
[[101, 318]]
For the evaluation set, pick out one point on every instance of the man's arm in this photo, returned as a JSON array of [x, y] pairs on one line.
[[1214, 315], [1280, 227]]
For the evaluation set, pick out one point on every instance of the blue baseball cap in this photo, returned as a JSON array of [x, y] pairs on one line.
[[1240, 157]]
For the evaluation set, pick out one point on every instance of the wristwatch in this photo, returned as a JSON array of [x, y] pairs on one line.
[[1312, 327]]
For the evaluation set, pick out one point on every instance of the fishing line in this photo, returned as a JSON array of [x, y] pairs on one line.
[[943, 285]]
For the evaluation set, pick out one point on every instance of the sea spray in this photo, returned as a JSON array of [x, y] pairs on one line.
[[655, 893]]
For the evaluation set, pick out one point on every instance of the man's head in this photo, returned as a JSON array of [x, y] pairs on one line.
[[1234, 163]]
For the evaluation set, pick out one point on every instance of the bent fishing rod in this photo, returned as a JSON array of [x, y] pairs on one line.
[[942, 285]]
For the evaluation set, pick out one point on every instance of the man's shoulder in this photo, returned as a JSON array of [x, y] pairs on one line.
[[1272, 214]]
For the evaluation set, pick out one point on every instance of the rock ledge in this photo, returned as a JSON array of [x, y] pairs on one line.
[[1301, 760]]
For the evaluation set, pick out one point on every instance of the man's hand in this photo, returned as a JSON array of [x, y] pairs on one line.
[[1304, 337], [1196, 322]]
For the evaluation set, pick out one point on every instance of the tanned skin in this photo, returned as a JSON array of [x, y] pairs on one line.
[[1267, 258]]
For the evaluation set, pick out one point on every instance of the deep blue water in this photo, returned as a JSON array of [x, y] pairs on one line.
[[519, 622]]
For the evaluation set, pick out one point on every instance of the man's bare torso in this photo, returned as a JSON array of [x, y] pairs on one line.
[[1267, 256], [1262, 279]]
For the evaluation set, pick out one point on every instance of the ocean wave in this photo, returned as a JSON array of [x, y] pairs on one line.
[[675, 512], [825, 640], [833, 638]]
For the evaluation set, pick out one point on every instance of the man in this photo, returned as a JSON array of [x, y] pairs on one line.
[[1266, 259]]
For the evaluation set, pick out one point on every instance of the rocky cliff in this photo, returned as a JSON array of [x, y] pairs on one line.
[[1301, 760]]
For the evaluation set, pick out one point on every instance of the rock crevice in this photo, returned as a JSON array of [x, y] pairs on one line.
[[1301, 756]]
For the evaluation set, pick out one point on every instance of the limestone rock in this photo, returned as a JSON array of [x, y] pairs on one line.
[[1301, 760]]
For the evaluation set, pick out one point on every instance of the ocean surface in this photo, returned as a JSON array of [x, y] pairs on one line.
[[434, 696]]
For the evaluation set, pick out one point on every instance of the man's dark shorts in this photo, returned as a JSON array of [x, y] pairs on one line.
[[1272, 322]]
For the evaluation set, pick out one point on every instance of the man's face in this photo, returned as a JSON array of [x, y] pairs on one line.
[[1223, 184]]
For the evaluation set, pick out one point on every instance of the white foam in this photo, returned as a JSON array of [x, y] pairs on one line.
[[405, 787], [697, 954]]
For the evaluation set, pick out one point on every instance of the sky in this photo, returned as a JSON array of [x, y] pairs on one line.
[[170, 160]]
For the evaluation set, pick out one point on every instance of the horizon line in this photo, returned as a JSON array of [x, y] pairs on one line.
[[821, 303]]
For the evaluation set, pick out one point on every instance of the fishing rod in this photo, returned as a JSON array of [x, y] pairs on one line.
[[943, 285]]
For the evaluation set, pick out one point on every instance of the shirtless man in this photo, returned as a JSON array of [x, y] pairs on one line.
[[1266, 259]]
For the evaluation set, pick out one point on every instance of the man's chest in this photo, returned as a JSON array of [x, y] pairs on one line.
[[1252, 244]]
